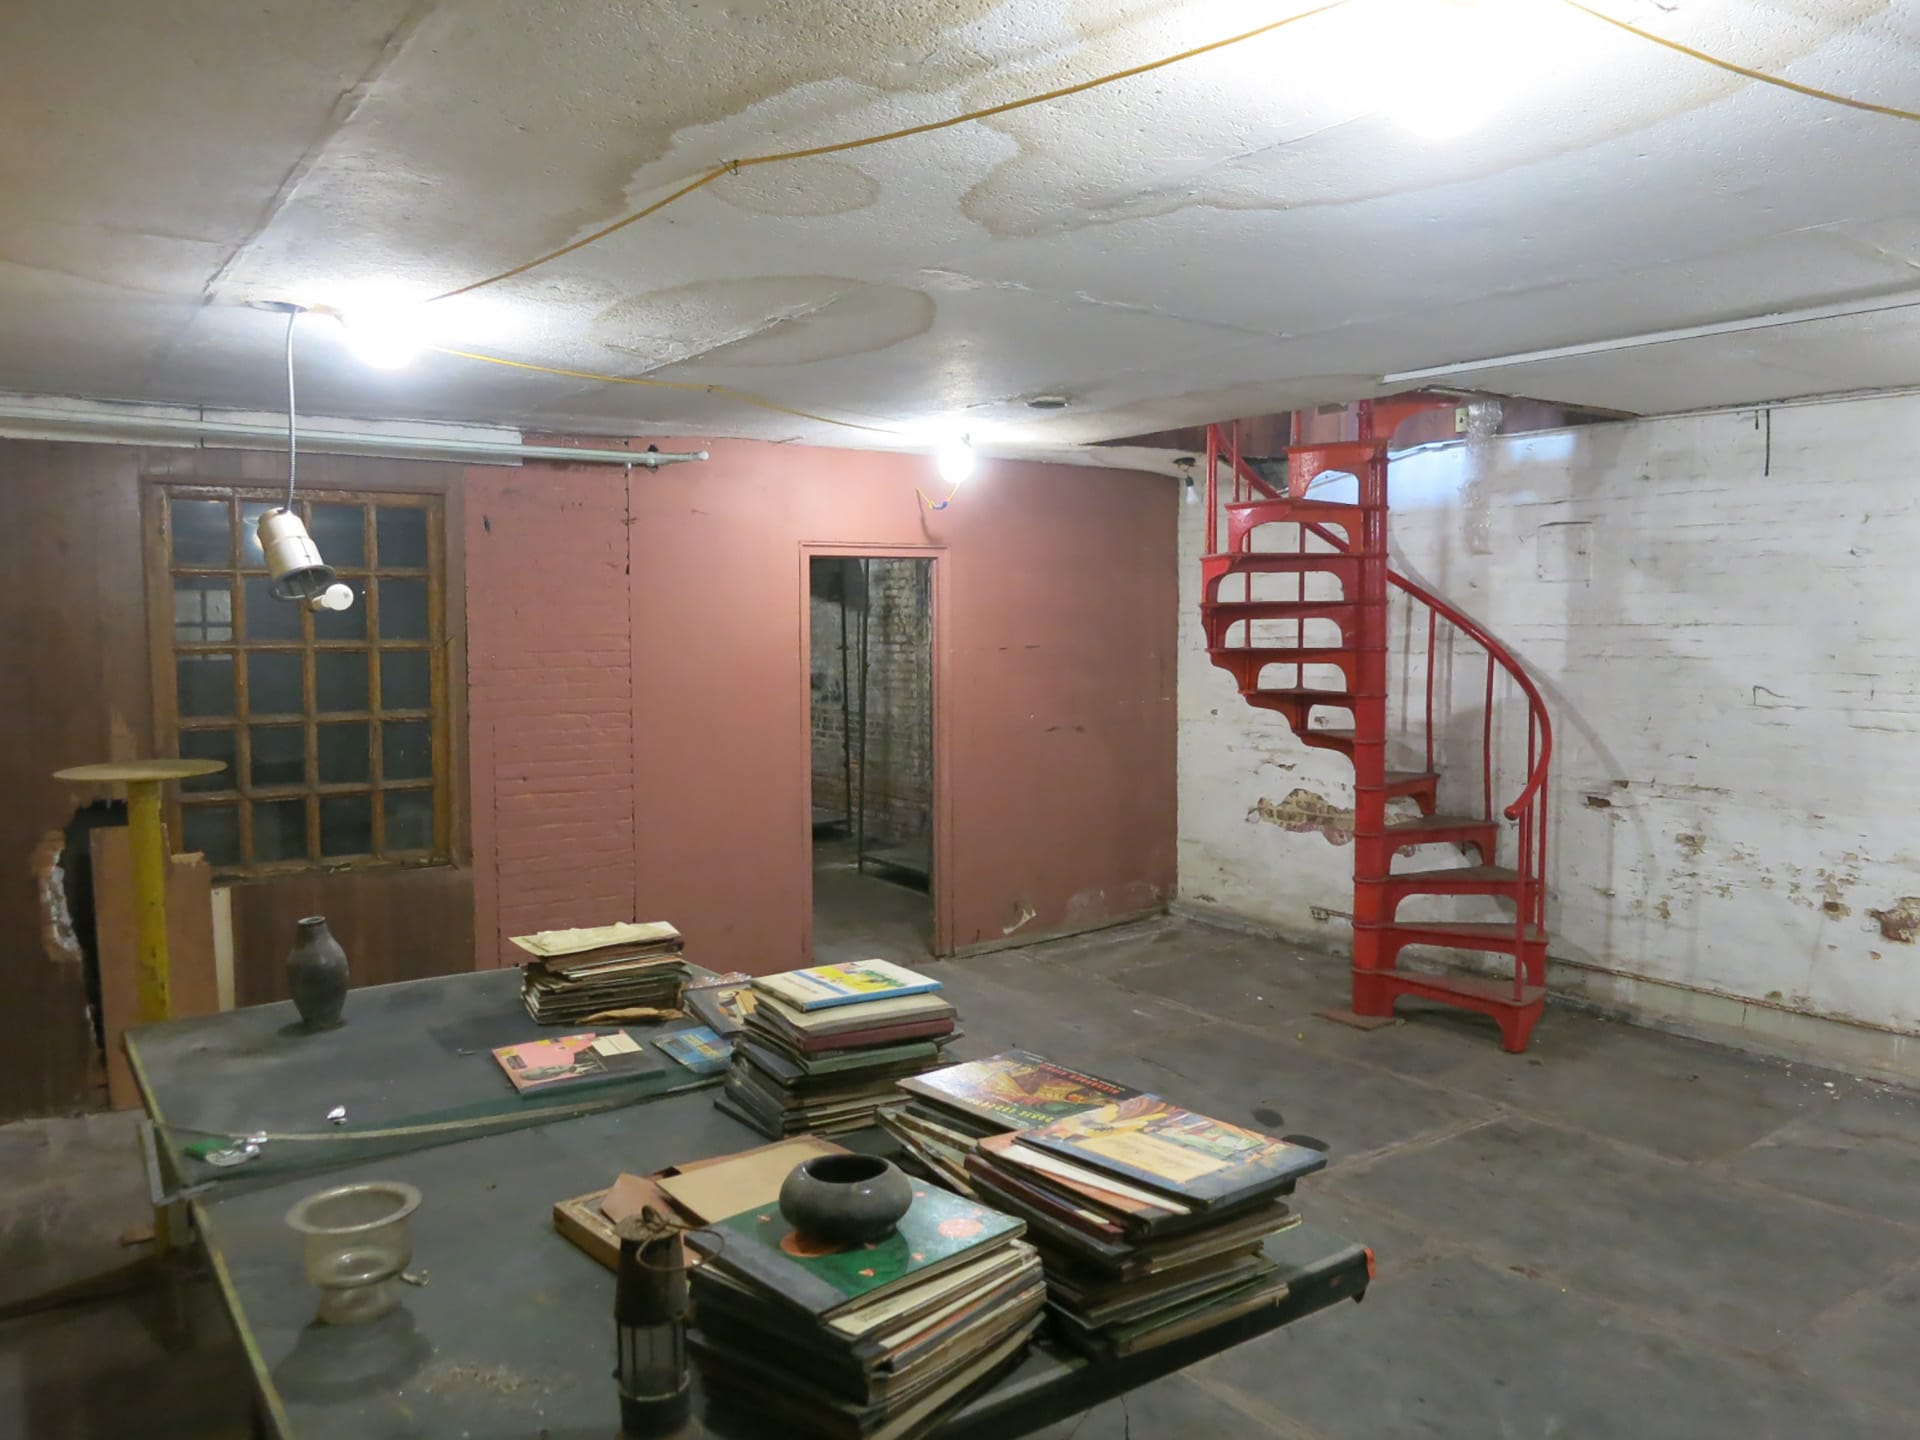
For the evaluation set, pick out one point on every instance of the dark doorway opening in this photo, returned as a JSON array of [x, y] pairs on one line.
[[871, 684]]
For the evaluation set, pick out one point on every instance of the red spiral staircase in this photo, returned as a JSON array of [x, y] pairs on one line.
[[1240, 631]]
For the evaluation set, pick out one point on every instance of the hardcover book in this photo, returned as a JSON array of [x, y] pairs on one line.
[[825, 986], [724, 1005], [938, 1232], [1177, 1152], [575, 1061], [1017, 1090], [698, 1048]]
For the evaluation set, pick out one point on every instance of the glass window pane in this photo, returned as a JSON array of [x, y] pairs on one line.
[[406, 680], [200, 535], [213, 830], [340, 680], [251, 555], [346, 757], [401, 534], [275, 685], [202, 610], [268, 618], [409, 819], [346, 825], [406, 750], [204, 684], [403, 609], [208, 745], [339, 531], [279, 755], [279, 830], [348, 624]]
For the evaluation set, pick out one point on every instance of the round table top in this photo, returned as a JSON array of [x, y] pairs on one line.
[[125, 771]]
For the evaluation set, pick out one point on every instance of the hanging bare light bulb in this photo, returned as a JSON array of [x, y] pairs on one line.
[[299, 574]]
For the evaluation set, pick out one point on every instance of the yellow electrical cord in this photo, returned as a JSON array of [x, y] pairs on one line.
[[1811, 91], [734, 167], [745, 397]]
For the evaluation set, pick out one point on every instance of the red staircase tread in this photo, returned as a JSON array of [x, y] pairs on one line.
[[1288, 654], [1343, 698], [1477, 990], [1276, 609], [1466, 930], [1457, 874], [1438, 822], [1314, 508], [1411, 779], [1280, 562]]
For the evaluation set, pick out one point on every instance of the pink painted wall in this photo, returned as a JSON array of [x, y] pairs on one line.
[[1055, 600]]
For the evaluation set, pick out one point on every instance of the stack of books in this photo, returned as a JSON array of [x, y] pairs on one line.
[[948, 1111], [1149, 1217], [613, 972], [863, 1343], [820, 1050]]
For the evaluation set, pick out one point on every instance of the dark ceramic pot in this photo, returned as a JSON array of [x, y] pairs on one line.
[[317, 974], [845, 1199]]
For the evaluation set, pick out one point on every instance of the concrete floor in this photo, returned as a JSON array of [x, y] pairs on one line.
[[1618, 1234]]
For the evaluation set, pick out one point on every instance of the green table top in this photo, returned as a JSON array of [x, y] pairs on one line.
[[412, 1066], [512, 1335]]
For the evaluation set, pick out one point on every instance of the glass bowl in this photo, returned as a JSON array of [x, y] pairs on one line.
[[357, 1240]]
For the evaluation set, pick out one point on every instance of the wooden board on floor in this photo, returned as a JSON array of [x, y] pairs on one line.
[[192, 982]]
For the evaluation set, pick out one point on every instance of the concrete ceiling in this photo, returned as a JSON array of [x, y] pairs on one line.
[[1245, 232]]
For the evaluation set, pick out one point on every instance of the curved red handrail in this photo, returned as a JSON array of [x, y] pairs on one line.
[[1537, 777], [1537, 774]]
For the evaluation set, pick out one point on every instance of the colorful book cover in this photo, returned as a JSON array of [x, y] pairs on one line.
[[569, 1061], [825, 986], [936, 1233], [699, 1049], [1017, 1090], [725, 1006], [1170, 1149]]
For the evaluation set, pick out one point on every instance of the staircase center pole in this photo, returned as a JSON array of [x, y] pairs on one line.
[[1372, 850]]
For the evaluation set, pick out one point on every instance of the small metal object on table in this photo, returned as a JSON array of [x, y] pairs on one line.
[[515, 1336]]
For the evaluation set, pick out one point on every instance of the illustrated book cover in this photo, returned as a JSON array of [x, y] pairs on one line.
[[1017, 1090], [724, 1003], [1178, 1152], [857, 982], [575, 1061], [697, 1048], [937, 1232]]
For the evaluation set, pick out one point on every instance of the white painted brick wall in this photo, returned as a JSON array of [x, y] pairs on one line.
[[1730, 641]]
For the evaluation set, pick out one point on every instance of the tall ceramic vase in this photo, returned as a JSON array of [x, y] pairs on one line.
[[317, 974]]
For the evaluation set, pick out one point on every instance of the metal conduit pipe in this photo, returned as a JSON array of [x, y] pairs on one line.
[[49, 423]]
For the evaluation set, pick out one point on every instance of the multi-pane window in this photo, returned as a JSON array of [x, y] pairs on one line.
[[332, 724]]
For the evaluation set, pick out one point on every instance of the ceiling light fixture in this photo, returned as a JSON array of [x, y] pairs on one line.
[[956, 460], [1449, 62], [384, 339], [292, 558]]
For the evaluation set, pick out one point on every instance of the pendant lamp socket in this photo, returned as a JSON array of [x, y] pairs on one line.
[[294, 560]]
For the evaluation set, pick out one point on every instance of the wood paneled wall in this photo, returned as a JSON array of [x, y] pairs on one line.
[[74, 654]]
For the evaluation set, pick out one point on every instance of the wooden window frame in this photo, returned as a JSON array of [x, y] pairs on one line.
[[241, 794]]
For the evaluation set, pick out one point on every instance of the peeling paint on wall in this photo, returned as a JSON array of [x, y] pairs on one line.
[[1900, 921], [1305, 813]]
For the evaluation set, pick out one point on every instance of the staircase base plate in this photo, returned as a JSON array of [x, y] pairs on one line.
[[1374, 992]]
